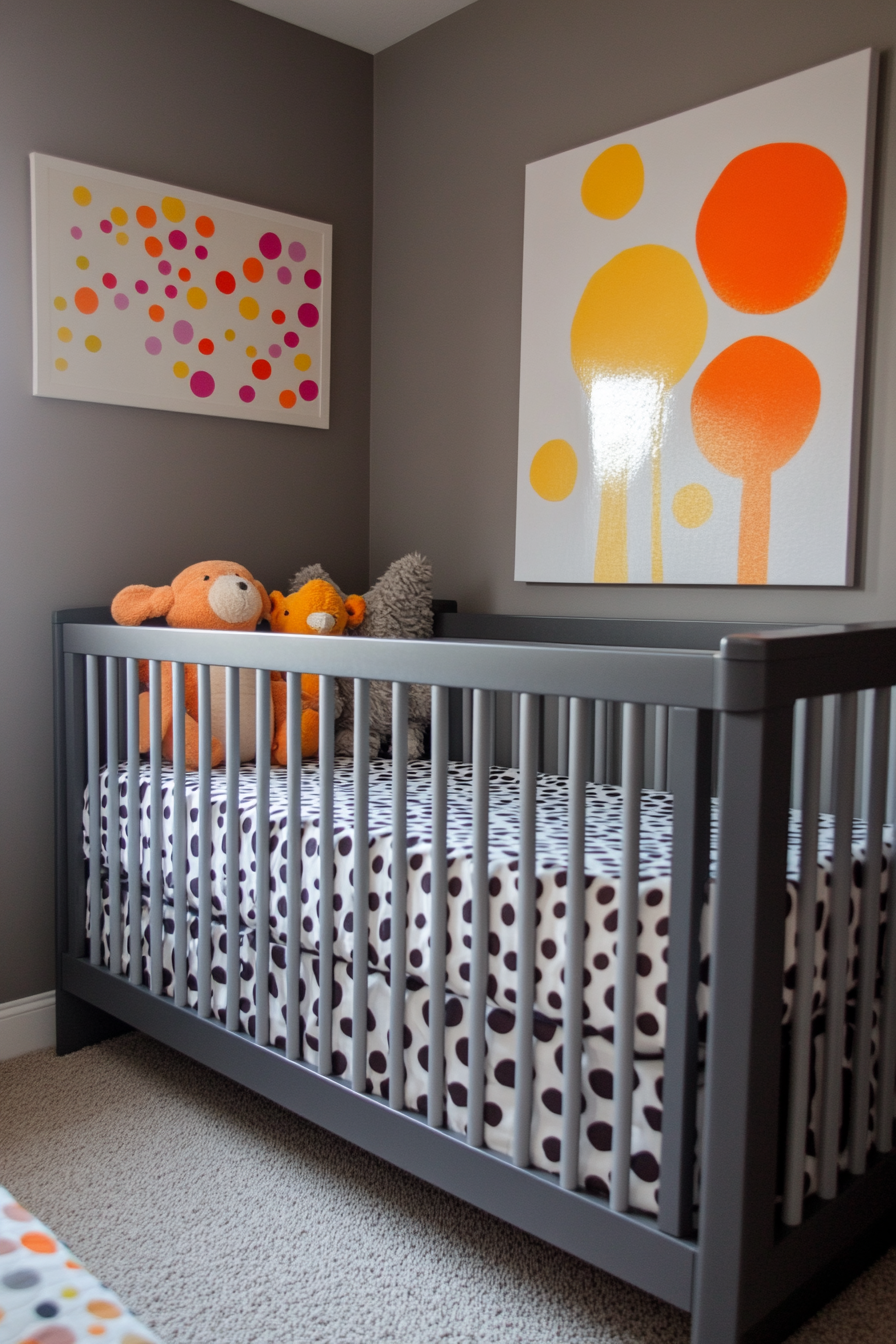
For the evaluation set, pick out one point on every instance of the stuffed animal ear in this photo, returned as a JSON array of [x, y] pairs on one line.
[[357, 610], [139, 603], [265, 600]]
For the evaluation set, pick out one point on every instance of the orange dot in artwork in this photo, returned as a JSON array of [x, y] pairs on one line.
[[205, 227], [156, 312], [287, 399], [86, 300], [72, 1264], [253, 269], [106, 1311], [262, 369], [278, 316], [771, 226], [96, 1329], [153, 246], [145, 216], [39, 1242], [752, 409], [206, 347], [184, 274]]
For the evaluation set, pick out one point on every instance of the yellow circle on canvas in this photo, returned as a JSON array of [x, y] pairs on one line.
[[60, 303], [302, 362], [121, 239], [180, 369], [93, 343], [173, 209], [249, 308], [614, 182], [118, 216], [82, 263], [62, 365], [64, 334], [230, 334], [554, 469], [196, 297], [692, 505], [251, 351], [81, 196]]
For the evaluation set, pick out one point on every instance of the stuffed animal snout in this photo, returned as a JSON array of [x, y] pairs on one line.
[[234, 599]]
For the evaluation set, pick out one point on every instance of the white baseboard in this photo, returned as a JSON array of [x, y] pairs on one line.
[[27, 1024]]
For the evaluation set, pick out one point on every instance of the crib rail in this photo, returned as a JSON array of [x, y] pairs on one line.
[[692, 721]]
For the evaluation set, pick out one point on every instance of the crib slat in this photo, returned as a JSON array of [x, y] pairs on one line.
[[232, 831], [626, 952], [801, 1030], [293, 861], [600, 741], [179, 832], [361, 897], [875, 791], [514, 730], [398, 921], [438, 908], [113, 831], [891, 759], [661, 747], [799, 753], [326, 737], [479, 930], [525, 956], [155, 826], [94, 834], [262, 855], [838, 943], [575, 947], [135, 843], [467, 724], [204, 951], [562, 734]]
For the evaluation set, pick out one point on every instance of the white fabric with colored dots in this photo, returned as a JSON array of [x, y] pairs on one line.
[[48, 1297]]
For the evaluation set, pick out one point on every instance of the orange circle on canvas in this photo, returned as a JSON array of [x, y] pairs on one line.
[[771, 226], [86, 300], [145, 216], [253, 270], [39, 1242]]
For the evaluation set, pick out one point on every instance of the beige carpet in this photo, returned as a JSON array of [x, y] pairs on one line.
[[222, 1219]]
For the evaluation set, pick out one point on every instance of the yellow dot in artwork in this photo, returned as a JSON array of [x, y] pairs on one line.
[[302, 362], [614, 182], [230, 334], [249, 308], [692, 505], [93, 343], [251, 351], [118, 216], [196, 297], [68, 1292], [60, 303], [64, 334], [82, 263], [180, 369], [121, 239], [554, 469], [81, 196], [173, 209], [62, 365]]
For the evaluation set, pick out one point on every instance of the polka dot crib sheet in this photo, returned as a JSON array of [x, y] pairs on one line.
[[46, 1295]]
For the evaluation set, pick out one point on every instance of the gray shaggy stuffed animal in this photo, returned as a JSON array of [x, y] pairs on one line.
[[399, 606]]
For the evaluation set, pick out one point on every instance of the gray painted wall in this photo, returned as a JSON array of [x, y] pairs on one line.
[[460, 109], [214, 96]]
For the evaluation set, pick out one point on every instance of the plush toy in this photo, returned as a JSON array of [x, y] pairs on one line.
[[316, 609], [398, 606], [213, 595]]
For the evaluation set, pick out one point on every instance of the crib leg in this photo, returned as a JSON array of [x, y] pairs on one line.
[[79, 1024]]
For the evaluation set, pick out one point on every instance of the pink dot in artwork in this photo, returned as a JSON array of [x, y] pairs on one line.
[[312, 279], [284, 275], [274, 351], [164, 268], [247, 393], [177, 239], [308, 389], [291, 339], [297, 252], [142, 287], [308, 315], [270, 246], [121, 302], [183, 332], [153, 345], [202, 384], [202, 252], [76, 232], [109, 280], [106, 225], [171, 291]]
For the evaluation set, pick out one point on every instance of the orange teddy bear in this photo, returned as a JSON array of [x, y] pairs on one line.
[[213, 595], [316, 609]]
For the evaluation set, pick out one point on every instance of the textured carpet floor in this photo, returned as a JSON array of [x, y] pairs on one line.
[[221, 1219]]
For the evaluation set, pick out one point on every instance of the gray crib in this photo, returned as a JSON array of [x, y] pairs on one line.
[[740, 725]]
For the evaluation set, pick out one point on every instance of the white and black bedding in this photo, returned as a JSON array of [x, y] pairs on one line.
[[603, 851]]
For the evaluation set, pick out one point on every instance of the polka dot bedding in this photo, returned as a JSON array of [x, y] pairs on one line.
[[47, 1297]]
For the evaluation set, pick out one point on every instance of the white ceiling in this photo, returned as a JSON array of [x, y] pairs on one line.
[[371, 25]]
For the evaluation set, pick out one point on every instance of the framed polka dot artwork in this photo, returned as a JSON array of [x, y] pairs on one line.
[[150, 295], [693, 331]]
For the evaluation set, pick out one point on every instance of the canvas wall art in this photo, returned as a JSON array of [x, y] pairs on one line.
[[692, 342], [149, 295]]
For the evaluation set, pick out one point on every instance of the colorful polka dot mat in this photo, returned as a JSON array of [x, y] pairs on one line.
[[149, 295], [48, 1297]]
